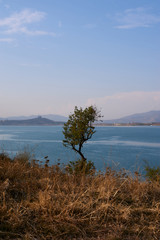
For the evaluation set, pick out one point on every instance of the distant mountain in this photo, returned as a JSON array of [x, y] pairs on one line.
[[39, 121], [147, 117], [53, 117], [56, 117]]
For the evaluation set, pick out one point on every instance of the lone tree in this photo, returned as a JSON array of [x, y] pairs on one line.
[[79, 128]]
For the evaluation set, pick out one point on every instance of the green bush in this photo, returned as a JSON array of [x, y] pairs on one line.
[[153, 173], [81, 167]]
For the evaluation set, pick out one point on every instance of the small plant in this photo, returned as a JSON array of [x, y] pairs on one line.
[[153, 173], [4, 157], [23, 157], [80, 167]]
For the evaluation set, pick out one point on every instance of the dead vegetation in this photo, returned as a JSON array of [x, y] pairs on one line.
[[41, 202]]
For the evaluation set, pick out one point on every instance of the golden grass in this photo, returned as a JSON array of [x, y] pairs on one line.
[[46, 203]]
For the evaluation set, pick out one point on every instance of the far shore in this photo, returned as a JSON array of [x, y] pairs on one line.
[[127, 124]]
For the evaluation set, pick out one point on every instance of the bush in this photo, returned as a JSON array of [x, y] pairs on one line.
[[23, 157], [81, 167], [153, 173]]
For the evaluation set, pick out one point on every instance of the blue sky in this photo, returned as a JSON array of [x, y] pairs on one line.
[[57, 54]]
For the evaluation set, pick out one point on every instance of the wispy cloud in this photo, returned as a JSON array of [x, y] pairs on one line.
[[126, 103], [135, 18], [18, 23], [8, 40]]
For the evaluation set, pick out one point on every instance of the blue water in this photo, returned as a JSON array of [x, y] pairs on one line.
[[118, 147]]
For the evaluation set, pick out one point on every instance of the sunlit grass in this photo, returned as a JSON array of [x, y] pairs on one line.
[[42, 202]]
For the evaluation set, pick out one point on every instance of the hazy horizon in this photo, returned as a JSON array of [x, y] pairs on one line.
[[58, 117], [59, 54]]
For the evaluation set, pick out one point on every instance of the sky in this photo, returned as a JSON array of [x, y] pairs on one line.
[[58, 54]]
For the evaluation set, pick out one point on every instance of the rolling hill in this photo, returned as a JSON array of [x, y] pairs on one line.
[[147, 117], [52, 117], [39, 121]]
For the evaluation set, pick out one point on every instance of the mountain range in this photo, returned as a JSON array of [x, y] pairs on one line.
[[147, 117], [52, 119]]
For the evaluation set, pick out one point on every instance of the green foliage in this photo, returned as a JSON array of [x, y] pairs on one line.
[[81, 167], [153, 173], [79, 128]]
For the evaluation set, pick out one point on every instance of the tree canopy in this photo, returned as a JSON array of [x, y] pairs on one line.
[[79, 128]]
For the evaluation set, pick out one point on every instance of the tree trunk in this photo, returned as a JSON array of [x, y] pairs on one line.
[[82, 156], [80, 153]]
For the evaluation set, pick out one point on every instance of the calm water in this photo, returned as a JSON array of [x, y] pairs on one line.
[[119, 147]]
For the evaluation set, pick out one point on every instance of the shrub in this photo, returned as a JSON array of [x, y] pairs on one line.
[[153, 173], [81, 167]]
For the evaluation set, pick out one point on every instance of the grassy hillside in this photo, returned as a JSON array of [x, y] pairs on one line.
[[42, 202]]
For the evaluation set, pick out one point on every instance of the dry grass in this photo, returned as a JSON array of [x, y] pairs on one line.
[[45, 203]]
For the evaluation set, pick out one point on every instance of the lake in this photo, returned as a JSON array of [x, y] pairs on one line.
[[118, 147]]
